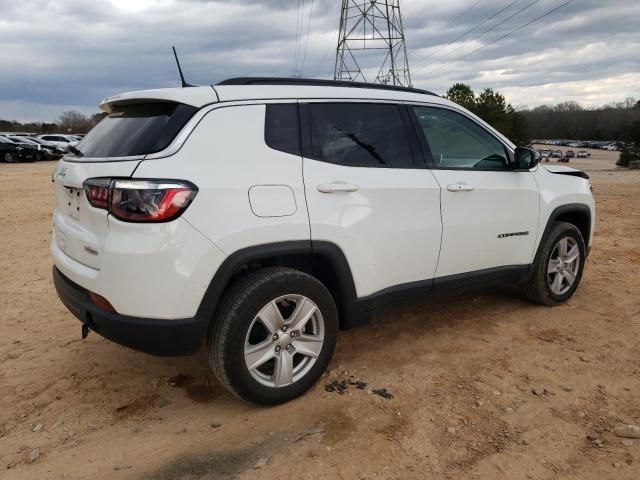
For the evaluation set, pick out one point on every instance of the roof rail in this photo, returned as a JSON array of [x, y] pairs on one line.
[[318, 83]]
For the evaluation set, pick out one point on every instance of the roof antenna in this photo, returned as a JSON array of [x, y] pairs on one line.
[[184, 84]]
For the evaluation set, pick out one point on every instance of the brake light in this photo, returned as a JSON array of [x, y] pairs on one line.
[[140, 200]]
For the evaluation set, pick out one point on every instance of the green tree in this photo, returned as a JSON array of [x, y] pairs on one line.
[[462, 94], [518, 129], [492, 108], [630, 148]]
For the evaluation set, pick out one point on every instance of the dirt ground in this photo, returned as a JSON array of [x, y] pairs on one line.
[[461, 370]]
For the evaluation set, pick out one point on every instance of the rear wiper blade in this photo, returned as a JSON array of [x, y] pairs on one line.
[[75, 151]]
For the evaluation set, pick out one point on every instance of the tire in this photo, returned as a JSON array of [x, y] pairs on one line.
[[248, 330], [552, 288], [38, 156], [9, 158]]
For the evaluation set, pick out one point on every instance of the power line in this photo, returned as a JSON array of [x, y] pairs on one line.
[[529, 5], [518, 29], [505, 35], [469, 31], [330, 47], [306, 42], [462, 14], [299, 26]]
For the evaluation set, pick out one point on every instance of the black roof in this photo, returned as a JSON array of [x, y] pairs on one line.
[[317, 83]]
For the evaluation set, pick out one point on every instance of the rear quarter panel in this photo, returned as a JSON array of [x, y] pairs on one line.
[[225, 156]]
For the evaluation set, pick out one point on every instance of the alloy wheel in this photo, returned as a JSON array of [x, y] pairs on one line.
[[563, 266], [284, 341]]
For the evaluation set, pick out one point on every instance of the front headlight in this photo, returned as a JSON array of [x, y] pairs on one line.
[[18, 148]]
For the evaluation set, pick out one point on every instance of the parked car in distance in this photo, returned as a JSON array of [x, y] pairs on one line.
[[53, 152], [545, 155], [259, 220], [12, 152], [59, 140], [39, 154], [32, 147], [583, 154], [556, 154]]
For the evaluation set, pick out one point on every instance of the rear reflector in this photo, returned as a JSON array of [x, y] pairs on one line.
[[140, 200], [102, 302]]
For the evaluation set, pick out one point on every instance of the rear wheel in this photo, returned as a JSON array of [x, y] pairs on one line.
[[9, 157], [274, 335], [558, 271]]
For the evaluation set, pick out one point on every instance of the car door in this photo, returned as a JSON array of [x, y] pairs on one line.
[[489, 209], [368, 192]]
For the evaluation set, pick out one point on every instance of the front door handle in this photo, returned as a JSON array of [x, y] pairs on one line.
[[460, 187], [337, 187]]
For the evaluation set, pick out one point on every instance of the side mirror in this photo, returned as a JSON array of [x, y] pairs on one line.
[[525, 158]]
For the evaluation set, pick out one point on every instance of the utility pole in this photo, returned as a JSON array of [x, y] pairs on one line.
[[371, 38]]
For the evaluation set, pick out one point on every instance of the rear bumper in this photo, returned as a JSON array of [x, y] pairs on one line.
[[156, 337]]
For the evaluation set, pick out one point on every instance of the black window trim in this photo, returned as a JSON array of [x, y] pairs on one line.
[[428, 155], [266, 138], [415, 149]]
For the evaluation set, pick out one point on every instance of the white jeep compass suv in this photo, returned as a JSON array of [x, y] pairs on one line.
[[259, 216]]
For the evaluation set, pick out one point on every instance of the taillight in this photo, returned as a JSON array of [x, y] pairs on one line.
[[140, 200], [98, 192]]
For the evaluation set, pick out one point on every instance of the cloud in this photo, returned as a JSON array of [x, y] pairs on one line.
[[72, 53]]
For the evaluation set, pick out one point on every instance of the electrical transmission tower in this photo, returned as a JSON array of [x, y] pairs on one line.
[[371, 35]]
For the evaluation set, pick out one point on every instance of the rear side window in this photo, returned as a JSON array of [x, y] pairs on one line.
[[359, 135], [136, 130], [281, 131]]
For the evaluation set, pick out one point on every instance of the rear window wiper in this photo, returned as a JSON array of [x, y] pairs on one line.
[[75, 151]]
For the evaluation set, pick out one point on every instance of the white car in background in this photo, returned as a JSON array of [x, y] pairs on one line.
[[59, 140], [256, 217]]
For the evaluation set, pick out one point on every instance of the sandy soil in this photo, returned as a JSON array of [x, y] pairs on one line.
[[461, 371]]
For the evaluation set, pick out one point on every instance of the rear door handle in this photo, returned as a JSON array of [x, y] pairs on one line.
[[460, 187], [337, 187]]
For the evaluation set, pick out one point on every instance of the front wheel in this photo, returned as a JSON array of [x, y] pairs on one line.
[[9, 157], [558, 270], [274, 335]]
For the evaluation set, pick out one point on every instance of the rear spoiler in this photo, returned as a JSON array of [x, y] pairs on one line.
[[194, 96]]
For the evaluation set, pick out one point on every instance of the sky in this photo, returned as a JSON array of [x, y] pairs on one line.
[[63, 55]]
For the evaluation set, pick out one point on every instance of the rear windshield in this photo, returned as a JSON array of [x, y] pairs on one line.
[[136, 130]]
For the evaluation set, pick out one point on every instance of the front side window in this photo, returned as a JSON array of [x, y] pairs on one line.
[[457, 142], [359, 135]]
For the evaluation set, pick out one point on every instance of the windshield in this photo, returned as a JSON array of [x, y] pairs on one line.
[[5, 140], [136, 130]]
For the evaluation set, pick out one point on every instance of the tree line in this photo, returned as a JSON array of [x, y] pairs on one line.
[[619, 122], [569, 120], [566, 120], [70, 121]]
